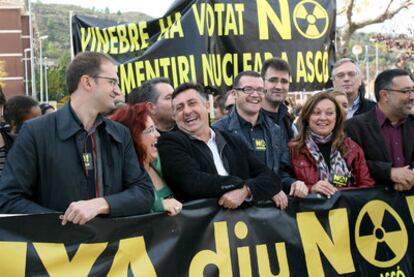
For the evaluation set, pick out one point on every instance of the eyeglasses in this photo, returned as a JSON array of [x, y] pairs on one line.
[[275, 80], [351, 74], [250, 90], [407, 91], [149, 131], [114, 81]]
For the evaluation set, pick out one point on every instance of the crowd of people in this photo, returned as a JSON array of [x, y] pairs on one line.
[[159, 150]]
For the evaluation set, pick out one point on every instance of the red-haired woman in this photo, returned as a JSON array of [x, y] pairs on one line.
[[145, 136], [322, 156]]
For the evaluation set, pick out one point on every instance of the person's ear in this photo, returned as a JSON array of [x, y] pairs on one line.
[[85, 82], [384, 94], [151, 108]]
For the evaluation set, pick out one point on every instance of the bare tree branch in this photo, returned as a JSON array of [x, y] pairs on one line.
[[387, 14], [346, 31]]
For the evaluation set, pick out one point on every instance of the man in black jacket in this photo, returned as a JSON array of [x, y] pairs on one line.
[[385, 133], [346, 77], [276, 75], [199, 162], [75, 160]]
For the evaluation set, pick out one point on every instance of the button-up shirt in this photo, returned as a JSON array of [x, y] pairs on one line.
[[393, 137], [353, 108]]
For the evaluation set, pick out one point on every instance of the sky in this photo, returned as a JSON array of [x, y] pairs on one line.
[[157, 8]]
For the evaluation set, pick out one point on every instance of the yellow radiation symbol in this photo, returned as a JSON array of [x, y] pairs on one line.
[[310, 19], [380, 234]]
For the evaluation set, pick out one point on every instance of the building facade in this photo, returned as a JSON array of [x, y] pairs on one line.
[[14, 46]]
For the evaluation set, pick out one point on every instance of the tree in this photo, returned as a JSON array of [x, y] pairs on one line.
[[56, 77], [351, 8]]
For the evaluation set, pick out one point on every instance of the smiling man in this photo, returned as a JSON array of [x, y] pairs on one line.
[[201, 162], [262, 136], [386, 132], [75, 160]]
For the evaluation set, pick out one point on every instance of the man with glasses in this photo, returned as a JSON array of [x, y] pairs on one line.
[[202, 162], [386, 132], [74, 160], [262, 136], [276, 75], [346, 77]]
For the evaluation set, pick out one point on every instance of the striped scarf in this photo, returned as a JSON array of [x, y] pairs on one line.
[[338, 164]]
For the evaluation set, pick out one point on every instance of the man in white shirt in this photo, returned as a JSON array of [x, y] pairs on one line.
[[200, 162]]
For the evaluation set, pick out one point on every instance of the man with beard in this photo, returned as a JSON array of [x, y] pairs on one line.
[[385, 133], [276, 75], [346, 77]]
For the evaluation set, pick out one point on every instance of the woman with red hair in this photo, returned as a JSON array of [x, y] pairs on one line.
[[145, 136]]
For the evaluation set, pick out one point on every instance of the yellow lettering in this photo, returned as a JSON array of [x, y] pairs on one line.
[[263, 260], [176, 27], [325, 66], [139, 75], [221, 258], [123, 40], [300, 68], [240, 10], [231, 24], [410, 203], [243, 256], [247, 57], [143, 34], [200, 17], [56, 260], [318, 64], [265, 12], [133, 36], [227, 61], [207, 68], [315, 240], [149, 71], [210, 20], [127, 77], [113, 38], [13, 258], [85, 38], [183, 68], [257, 62], [309, 63], [132, 254], [219, 9], [164, 27]]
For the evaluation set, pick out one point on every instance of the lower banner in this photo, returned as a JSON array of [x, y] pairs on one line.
[[354, 233]]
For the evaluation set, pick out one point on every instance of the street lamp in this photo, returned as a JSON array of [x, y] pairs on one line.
[[41, 66], [32, 64], [26, 77], [46, 83]]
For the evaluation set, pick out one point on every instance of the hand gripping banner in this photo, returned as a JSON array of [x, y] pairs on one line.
[[355, 233]]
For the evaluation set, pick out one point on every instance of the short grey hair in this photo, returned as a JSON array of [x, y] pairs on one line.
[[340, 62]]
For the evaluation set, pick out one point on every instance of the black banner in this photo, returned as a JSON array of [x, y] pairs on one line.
[[212, 41], [355, 233]]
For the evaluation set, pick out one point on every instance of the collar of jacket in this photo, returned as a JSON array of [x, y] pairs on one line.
[[68, 125], [220, 140], [234, 121]]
